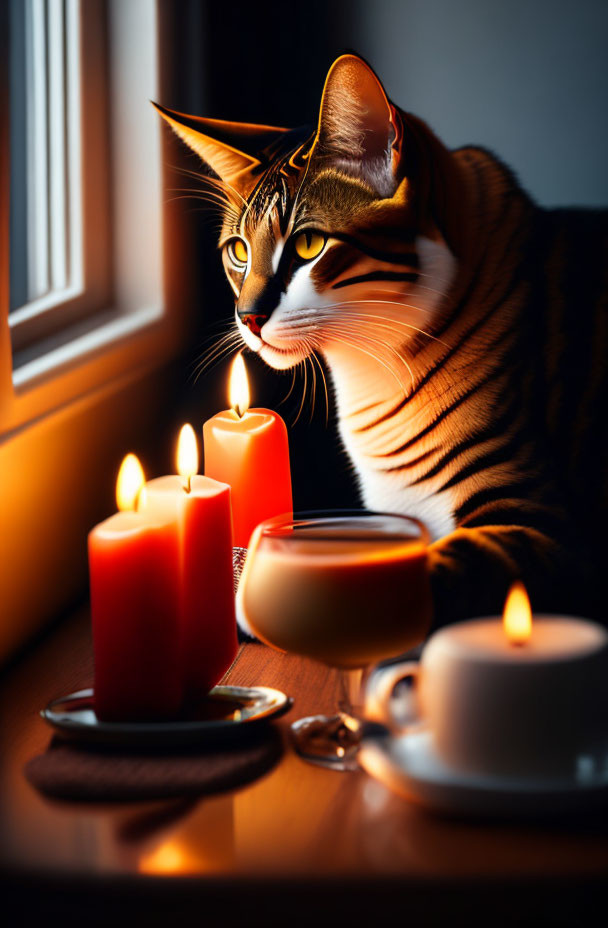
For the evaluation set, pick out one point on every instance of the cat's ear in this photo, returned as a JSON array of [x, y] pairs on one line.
[[230, 149], [357, 127]]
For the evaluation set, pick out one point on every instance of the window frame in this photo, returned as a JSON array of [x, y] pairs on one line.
[[85, 227], [115, 340]]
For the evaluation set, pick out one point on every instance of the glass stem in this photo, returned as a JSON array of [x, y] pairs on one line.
[[350, 692]]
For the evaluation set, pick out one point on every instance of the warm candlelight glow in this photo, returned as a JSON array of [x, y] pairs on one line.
[[517, 616], [239, 386], [168, 858], [187, 454], [129, 483]]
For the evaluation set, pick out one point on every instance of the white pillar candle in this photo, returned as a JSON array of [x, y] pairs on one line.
[[525, 706]]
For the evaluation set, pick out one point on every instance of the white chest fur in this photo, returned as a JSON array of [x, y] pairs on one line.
[[359, 382], [389, 492]]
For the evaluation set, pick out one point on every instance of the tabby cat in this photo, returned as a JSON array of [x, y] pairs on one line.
[[464, 328]]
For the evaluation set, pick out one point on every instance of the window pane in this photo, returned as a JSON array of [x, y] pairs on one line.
[[40, 97], [85, 197], [18, 206]]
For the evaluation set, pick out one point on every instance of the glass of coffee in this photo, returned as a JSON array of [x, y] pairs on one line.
[[348, 588]]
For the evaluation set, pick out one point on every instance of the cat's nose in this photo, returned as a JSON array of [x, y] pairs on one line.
[[257, 301], [253, 321]]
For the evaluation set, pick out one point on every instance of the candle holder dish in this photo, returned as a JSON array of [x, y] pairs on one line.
[[409, 765], [227, 712]]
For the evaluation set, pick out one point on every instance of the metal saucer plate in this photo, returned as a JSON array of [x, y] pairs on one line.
[[227, 711], [409, 765]]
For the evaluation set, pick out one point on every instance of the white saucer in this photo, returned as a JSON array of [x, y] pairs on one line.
[[409, 765]]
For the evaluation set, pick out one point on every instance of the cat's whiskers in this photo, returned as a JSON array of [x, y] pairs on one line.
[[312, 357], [293, 372], [211, 342], [210, 183], [212, 350], [210, 203], [222, 185], [218, 224], [388, 319], [353, 344], [375, 441], [222, 356], [314, 387], [211, 363], [439, 280], [294, 334], [315, 357], [418, 286], [214, 192], [384, 291], [206, 196], [381, 319], [307, 333], [420, 309], [209, 190], [301, 407], [389, 326], [222, 348], [214, 332], [384, 346]]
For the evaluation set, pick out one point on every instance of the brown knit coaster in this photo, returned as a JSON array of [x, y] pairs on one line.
[[66, 771]]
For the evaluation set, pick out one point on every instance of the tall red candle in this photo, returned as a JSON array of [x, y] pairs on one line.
[[249, 450], [134, 579], [200, 508]]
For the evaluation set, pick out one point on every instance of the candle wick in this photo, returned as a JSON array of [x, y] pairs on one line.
[[237, 410], [188, 483]]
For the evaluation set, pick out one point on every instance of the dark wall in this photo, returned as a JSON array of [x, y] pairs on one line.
[[526, 78], [259, 63]]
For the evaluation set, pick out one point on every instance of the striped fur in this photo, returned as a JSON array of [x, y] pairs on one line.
[[465, 331]]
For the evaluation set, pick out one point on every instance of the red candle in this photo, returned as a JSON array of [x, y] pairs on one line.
[[200, 509], [134, 575], [249, 450]]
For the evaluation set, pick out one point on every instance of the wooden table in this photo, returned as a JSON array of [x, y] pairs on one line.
[[301, 845]]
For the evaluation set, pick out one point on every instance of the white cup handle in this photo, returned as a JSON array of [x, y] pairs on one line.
[[380, 689]]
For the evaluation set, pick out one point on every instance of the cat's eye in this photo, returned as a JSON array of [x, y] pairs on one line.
[[237, 251], [309, 245]]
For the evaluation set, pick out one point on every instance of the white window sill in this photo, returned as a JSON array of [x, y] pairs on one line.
[[77, 350]]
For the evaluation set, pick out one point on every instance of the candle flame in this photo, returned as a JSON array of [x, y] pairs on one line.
[[129, 483], [187, 453], [239, 386], [517, 616]]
